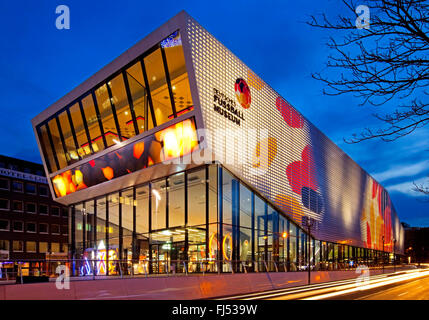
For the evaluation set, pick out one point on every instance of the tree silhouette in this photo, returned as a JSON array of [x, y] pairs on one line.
[[390, 59]]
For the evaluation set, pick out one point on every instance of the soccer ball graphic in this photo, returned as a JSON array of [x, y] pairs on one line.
[[242, 92]]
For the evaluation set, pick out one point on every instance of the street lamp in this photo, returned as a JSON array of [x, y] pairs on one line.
[[309, 223]]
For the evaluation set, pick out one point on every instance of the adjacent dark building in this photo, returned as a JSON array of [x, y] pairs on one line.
[[416, 244], [33, 227]]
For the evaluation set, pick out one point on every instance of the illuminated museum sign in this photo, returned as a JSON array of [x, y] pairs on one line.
[[227, 107]]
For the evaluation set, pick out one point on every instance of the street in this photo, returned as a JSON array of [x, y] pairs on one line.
[[406, 285]]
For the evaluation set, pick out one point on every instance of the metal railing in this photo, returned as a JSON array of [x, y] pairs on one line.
[[100, 269]]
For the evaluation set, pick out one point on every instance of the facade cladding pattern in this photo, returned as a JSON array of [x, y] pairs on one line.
[[307, 174], [104, 147]]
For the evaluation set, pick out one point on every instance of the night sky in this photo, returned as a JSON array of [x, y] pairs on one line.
[[39, 64]]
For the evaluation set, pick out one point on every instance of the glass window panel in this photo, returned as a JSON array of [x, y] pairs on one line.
[[272, 219], [127, 210], [89, 224], [4, 245], [18, 246], [158, 205], [260, 216], [245, 207], [113, 201], [120, 100], [292, 252], [127, 219], [105, 108], [55, 247], [213, 194], [71, 155], [178, 74], [56, 139], [227, 197], [158, 87], [79, 129], [196, 198], [245, 244], [142, 210], [101, 222], [138, 93], [47, 148], [176, 200], [79, 230], [92, 122], [43, 247]]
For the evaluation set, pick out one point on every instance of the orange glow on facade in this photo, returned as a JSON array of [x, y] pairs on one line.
[[226, 246], [138, 150], [264, 154], [179, 139], [108, 173]]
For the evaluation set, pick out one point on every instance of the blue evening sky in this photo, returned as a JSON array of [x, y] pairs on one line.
[[39, 64]]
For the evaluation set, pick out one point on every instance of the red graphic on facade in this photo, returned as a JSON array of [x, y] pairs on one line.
[[302, 173], [242, 92], [289, 114]]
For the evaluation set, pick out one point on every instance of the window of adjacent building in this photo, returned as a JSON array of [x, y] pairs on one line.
[[30, 188], [65, 212], [17, 186], [4, 184], [43, 228], [56, 139], [79, 128], [4, 245], [92, 123], [43, 191], [43, 209], [138, 94], [4, 204], [120, 101], [43, 247], [47, 148], [55, 247], [196, 198], [30, 246], [18, 226], [65, 247], [55, 229], [65, 228], [106, 114], [178, 74], [17, 205], [158, 204], [30, 207], [55, 211], [4, 225], [18, 246], [160, 95], [142, 209], [31, 227]]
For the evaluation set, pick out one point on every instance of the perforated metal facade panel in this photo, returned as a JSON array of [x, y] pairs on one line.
[[306, 173]]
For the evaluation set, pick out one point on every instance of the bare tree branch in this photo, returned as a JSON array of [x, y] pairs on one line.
[[389, 60]]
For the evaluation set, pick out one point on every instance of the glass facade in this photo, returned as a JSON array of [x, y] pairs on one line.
[[190, 222], [146, 93]]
